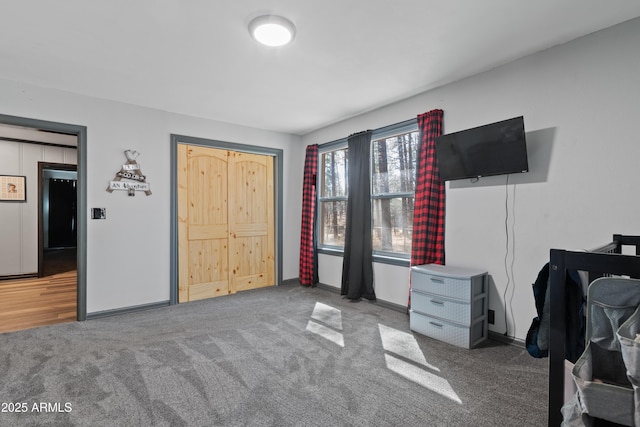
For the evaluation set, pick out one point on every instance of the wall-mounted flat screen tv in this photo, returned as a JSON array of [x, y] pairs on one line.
[[494, 149]]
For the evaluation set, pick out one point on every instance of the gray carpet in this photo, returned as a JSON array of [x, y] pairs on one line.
[[284, 356]]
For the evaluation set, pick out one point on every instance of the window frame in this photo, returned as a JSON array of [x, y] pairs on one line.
[[384, 257], [340, 144], [408, 126]]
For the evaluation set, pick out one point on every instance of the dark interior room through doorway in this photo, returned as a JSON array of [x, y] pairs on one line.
[[58, 223]]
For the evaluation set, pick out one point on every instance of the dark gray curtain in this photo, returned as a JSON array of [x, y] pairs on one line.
[[357, 267]]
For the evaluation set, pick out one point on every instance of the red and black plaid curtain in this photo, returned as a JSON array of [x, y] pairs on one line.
[[427, 245], [308, 255]]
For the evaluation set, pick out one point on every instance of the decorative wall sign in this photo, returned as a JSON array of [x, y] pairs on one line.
[[130, 178], [13, 188]]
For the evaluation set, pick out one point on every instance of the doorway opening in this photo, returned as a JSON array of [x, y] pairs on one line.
[[31, 247], [57, 218]]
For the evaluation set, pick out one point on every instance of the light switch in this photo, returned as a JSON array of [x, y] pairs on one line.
[[98, 213]]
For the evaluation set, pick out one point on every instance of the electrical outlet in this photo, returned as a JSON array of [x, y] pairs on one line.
[[492, 317]]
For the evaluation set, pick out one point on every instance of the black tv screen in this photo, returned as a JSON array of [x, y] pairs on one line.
[[494, 149]]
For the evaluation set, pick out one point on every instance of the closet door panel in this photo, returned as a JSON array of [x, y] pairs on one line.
[[203, 230], [251, 226]]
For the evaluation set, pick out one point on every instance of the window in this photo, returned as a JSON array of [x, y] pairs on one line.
[[332, 196], [393, 165]]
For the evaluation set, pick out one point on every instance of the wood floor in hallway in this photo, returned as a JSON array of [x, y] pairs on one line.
[[28, 303]]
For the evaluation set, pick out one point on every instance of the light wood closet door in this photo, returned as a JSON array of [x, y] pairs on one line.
[[251, 227], [225, 222]]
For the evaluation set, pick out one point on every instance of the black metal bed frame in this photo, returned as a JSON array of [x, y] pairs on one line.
[[603, 261]]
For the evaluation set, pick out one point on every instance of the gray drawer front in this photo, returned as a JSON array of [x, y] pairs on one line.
[[459, 312], [445, 286], [451, 333]]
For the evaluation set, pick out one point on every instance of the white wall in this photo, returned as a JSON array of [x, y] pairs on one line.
[[581, 104], [128, 253], [19, 221]]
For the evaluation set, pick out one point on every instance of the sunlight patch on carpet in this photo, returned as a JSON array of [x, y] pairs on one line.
[[420, 376], [403, 344], [411, 362], [326, 322], [328, 315], [326, 333]]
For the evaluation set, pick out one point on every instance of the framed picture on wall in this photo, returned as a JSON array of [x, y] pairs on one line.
[[13, 188]]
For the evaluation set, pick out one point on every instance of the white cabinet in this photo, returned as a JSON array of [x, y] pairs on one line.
[[449, 304]]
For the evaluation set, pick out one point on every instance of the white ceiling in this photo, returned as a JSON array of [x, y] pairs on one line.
[[196, 57]]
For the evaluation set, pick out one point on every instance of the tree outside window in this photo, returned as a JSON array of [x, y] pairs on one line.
[[393, 166], [392, 192], [333, 197]]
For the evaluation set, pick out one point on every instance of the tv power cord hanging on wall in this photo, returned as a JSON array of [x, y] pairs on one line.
[[509, 268]]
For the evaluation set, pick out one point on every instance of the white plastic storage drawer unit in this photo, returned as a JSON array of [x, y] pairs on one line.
[[449, 304]]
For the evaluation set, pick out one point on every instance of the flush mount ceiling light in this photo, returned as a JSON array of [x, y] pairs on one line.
[[272, 30]]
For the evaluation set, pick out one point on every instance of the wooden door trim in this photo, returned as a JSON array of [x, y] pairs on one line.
[[277, 154]]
